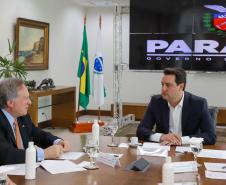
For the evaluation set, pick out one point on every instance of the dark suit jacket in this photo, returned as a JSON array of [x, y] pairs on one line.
[[9, 154], [196, 120]]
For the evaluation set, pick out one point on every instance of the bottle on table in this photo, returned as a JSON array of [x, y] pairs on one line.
[[168, 172], [96, 132], [30, 161]]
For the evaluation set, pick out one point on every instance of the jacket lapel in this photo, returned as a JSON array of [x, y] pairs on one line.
[[184, 111], [165, 116], [6, 125]]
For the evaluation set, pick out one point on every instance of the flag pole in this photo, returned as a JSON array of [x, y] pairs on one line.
[[99, 106], [98, 114], [77, 113]]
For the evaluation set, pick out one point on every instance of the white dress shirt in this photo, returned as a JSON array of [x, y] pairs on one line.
[[175, 117]]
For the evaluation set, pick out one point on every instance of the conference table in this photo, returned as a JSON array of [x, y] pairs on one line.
[[107, 175]]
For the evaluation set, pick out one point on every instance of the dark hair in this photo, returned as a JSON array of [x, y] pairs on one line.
[[8, 90], [180, 74]]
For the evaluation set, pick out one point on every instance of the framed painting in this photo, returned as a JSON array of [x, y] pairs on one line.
[[32, 43]]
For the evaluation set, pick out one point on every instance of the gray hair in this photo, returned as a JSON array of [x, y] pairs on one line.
[[8, 90]]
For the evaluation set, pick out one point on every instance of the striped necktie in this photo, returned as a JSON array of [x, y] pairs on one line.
[[17, 135]]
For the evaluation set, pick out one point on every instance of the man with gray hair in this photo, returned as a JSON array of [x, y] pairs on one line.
[[17, 129]]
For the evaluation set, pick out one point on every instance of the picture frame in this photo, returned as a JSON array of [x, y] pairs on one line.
[[32, 43]]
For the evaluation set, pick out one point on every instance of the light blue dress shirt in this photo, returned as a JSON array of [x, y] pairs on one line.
[[40, 151]]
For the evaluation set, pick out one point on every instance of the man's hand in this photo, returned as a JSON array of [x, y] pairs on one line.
[[65, 145], [53, 152], [170, 139]]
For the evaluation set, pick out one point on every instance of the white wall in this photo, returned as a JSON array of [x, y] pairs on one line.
[[107, 15], [65, 35], [66, 27]]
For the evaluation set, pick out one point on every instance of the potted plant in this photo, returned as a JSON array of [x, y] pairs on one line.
[[11, 67]]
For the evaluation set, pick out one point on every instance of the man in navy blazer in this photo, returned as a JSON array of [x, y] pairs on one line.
[[14, 103], [176, 115]]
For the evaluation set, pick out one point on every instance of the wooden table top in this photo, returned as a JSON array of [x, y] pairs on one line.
[[107, 175]]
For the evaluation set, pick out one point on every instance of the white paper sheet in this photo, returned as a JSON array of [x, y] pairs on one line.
[[60, 166], [112, 154], [220, 167], [196, 140], [219, 154], [215, 175], [123, 145], [15, 169], [182, 183], [183, 149], [115, 155], [185, 166], [6, 168], [83, 164], [160, 152], [150, 145], [71, 155]]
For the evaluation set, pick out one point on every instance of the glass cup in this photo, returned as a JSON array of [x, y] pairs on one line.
[[134, 140], [113, 129], [91, 148], [196, 147]]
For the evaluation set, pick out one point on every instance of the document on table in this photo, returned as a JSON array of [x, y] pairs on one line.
[[182, 183], [115, 155], [220, 167], [123, 145], [208, 153], [71, 155], [7, 168], [183, 149], [160, 152], [215, 175], [14, 169], [84, 164], [60, 166], [150, 145], [215, 170], [185, 166]]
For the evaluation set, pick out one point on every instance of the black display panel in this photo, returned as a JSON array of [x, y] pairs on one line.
[[161, 16], [186, 33]]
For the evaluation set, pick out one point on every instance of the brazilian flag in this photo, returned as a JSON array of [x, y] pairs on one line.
[[83, 73]]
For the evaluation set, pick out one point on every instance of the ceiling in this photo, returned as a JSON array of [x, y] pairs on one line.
[[102, 3]]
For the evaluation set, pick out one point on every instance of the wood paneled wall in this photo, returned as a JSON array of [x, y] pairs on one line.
[[221, 116], [138, 109]]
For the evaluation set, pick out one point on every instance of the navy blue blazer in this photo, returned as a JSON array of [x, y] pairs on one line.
[[196, 120], [9, 154]]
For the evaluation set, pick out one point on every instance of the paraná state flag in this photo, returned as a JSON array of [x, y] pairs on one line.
[[98, 73]]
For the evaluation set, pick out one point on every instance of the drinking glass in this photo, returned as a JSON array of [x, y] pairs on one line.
[[92, 148], [196, 148], [113, 127]]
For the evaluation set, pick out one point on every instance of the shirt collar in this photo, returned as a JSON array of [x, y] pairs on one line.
[[180, 104], [9, 117]]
